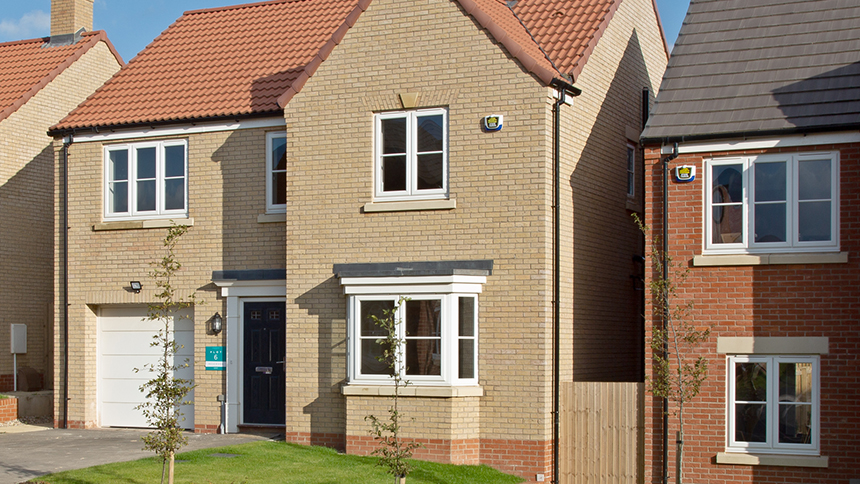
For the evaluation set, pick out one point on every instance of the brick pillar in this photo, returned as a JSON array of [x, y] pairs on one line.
[[69, 16]]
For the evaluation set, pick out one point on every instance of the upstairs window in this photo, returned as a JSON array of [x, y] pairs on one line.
[[146, 180], [411, 160], [276, 172], [772, 203], [631, 171]]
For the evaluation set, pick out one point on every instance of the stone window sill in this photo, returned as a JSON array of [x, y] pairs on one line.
[[770, 259], [269, 218], [413, 390], [782, 460], [142, 224], [375, 207]]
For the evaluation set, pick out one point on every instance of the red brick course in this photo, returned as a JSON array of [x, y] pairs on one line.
[[8, 409], [800, 300]]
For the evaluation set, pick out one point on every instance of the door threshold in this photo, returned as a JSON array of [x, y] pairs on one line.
[[270, 431]]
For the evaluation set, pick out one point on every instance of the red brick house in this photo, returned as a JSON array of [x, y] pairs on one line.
[[769, 228]]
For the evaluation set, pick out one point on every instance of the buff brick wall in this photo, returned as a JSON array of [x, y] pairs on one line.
[[803, 300], [225, 235], [26, 194], [502, 184]]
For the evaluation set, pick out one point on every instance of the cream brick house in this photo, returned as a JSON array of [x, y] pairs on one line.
[[329, 167], [41, 81]]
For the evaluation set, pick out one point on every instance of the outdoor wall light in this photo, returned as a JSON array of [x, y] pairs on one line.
[[136, 286], [216, 323]]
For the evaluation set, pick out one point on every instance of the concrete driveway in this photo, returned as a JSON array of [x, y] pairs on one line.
[[28, 451]]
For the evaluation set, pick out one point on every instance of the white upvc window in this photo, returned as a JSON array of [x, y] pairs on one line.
[[276, 172], [773, 404], [146, 180], [772, 203], [439, 334], [631, 170], [411, 154]]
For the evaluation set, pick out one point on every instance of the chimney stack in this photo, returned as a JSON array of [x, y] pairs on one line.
[[70, 16]]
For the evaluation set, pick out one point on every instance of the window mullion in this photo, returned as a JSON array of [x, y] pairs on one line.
[[159, 179], [772, 402], [411, 153], [748, 205], [132, 181]]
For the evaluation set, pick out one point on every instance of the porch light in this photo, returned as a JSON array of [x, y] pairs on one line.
[[216, 323], [136, 286]]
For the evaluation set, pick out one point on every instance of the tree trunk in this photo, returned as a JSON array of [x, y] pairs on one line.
[[679, 455], [170, 470]]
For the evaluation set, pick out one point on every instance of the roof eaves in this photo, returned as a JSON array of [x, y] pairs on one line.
[[323, 53], [62, 130], [592, 44], [92, 39], [690, 138], [528, 62]]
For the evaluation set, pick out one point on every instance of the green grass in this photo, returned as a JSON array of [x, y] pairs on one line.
[[275, 462]]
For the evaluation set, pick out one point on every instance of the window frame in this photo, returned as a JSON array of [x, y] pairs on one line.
[[772, 444], [748, 203], [449, 340], [132, 181], [631, 170], [271, 206], [411, 192]]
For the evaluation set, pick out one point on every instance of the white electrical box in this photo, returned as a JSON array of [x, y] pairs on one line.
[[19, 339]]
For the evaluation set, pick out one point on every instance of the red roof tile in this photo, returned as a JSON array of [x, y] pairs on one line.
[[252, 59], [28, 66], [220, 63]]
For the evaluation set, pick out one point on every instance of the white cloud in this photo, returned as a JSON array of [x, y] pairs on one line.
[[32, 24]]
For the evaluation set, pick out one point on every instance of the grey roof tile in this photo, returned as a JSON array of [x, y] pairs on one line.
[[778, 65]]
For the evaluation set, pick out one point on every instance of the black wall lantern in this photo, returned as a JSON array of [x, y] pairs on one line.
[[216, 324]]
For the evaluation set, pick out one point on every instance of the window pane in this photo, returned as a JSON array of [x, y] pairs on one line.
[[394, 173], [466, 326], [467, 358], [728, 224], [146, 196], [145, 163], [371, 310], [430, 171], [423, 356], [174, 161], [119, 197], [430, 133], [118, 164], [795, 382], [279, 188], [728, 183], [174, 194], [279, 153], [370, 365], [423, 318], [394, 135], [751, 382], [814, 179], [795, 424], [770, 222], [814, 221], [750, 422], [770, 182]]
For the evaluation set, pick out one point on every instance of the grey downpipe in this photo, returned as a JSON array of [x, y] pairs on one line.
[[66, 143], [665, 296]]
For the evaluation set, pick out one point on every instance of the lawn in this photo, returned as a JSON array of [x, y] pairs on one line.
[[275, 462]]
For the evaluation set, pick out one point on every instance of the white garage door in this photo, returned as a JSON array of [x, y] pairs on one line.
[[124, 344]]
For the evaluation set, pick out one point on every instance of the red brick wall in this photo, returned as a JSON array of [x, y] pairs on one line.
[[804, 300], [8, 409]]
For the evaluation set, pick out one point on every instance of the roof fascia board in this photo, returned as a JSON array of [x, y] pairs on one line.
[[181, 130], [323, 53], [91, 41], [792, 141], [745, 135]]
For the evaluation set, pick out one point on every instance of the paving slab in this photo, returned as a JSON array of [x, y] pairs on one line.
[[29, 451]]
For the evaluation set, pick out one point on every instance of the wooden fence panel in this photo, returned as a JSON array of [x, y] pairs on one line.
[[601, 433]]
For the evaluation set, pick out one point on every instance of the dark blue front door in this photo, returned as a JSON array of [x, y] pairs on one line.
[[264, 334]]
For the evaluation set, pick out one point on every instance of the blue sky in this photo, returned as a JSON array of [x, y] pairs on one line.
[[133, 25]]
